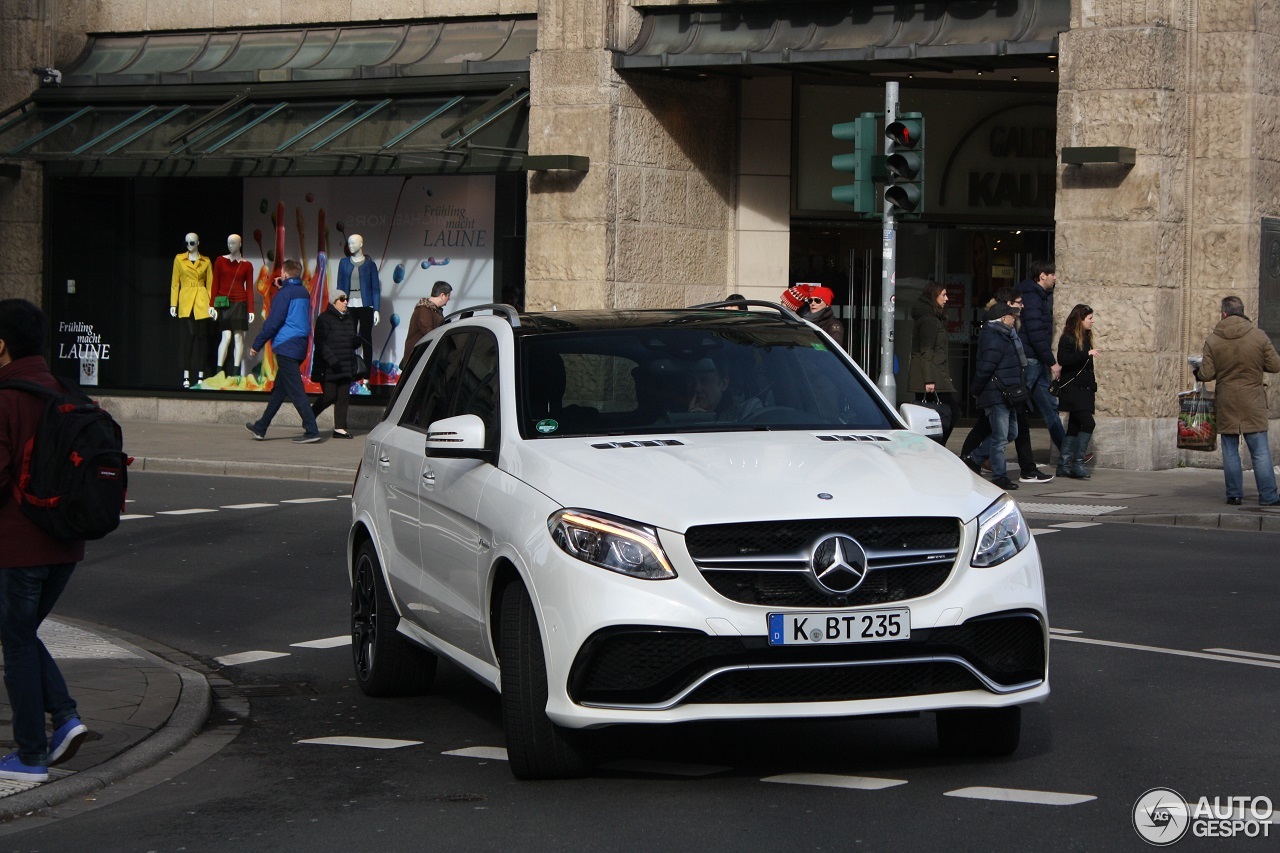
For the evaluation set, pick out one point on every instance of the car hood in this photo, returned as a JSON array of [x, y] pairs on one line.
[[678, 481]]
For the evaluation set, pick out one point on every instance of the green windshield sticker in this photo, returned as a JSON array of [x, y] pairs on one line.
[[547, 425], [819, 346]]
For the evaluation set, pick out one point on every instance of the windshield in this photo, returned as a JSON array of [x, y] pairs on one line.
[[673, 380]]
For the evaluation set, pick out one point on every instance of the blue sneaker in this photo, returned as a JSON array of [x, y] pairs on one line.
[[11, 767], [66, 740]]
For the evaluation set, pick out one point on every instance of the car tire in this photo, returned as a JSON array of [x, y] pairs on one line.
[[536, 747], [986, 732], [386, 663]]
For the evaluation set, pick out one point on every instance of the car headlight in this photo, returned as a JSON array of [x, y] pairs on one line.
[[1002, 533], [610, 543]]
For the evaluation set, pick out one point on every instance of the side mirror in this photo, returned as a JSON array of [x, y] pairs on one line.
[[921, 419], [460, 437]]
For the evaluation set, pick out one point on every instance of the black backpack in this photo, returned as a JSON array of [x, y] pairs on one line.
[[73, 473]]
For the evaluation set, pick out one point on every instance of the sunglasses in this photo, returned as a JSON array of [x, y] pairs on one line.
[[341, 299], [192, 242]]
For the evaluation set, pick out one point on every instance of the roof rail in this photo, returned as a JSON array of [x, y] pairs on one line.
[[787, 313], [498, 309]]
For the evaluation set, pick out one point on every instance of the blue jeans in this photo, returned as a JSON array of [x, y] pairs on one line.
[[1263, 472], [32, 678], [1038, 381], [1004, 429], [288, 384]]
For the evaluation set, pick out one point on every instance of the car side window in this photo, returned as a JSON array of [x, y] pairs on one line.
[[438, 385], [478, 386]]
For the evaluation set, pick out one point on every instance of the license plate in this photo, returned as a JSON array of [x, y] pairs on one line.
[[864, 626]]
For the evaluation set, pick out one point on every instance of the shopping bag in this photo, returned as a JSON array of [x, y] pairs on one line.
[[1197, 420], [931, 400]]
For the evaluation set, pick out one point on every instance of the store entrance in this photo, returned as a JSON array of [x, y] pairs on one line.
[[973, 262]]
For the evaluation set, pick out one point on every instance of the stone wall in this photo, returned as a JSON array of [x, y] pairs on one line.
[[651, 223], [1154, 247]]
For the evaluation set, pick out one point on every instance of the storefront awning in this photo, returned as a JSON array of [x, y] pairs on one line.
[[894, 35], [399, 99]]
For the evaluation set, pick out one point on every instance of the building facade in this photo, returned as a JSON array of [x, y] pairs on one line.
[[622, 153]]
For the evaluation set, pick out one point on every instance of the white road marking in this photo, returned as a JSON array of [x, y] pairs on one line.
[[1077, 525], [249, 657], [344, 496], [247, 506], [1177, 652], [665, 768], [1239, 654], [326, 643], [183, 511], [1064, 631], [495, 753], [827, 780], [1036, 531], [308, 500], [1016, 795], [132, 516], [364, 742]]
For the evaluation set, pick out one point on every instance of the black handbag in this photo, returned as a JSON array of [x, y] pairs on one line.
[[362, 369], [1017, 396], [943, 410]]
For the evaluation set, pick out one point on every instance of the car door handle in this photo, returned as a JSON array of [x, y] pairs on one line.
[[384, 461], [429, 476]]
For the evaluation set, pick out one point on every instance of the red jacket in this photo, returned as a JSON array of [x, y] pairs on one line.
[[25, 544]]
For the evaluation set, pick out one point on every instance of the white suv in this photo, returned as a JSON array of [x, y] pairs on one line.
[[668, 515]]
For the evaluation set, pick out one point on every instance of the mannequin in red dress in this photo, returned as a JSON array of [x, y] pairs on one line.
[[233, 297]]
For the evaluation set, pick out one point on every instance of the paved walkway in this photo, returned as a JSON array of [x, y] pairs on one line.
[[140, 706]]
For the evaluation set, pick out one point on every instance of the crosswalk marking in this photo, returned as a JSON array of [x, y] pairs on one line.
[[308, 500], [1077, 525], [247, 506], [364, 742], [326, 643], [183, 511], [1018, 795], [1037, 531], [828, 780], [494, 753], [131, 516], [1239, 654], [249, 657]]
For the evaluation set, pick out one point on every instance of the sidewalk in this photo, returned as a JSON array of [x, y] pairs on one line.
[[139, 707]]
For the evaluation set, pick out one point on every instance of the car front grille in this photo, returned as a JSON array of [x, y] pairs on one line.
[[768, 563], [657, 667]]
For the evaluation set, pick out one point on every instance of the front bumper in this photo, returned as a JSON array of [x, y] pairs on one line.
[[621, 650]]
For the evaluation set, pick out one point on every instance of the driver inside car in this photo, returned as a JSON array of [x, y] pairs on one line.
[[708, 386]]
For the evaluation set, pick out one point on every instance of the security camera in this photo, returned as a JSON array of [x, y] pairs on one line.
[[48, 76]]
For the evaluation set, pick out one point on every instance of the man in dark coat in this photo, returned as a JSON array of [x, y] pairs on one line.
[[333, 362], [822, 315], [1000, 365], [1236, 355], [34, 566], [1037, 334]]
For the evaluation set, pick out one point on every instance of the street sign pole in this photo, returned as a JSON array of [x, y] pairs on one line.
[[888, 275]]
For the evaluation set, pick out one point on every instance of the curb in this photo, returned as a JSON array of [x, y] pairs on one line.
[[1256, 521], [272, 471], [195, 704]]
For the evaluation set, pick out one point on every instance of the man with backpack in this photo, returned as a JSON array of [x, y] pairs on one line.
[[34, 565]]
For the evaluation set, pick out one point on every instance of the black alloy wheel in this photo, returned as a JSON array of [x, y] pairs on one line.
[[386, 663]]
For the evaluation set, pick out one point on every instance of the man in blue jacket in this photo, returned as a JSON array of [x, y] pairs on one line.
[[1036, 333], [288, 327], [1000, 365]]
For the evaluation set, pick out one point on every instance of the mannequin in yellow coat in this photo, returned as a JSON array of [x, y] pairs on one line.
[[189, 302]]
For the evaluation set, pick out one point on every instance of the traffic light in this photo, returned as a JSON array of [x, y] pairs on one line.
[[904, 165], [861, 163]]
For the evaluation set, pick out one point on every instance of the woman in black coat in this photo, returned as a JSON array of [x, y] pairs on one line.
[[333, 362], [1075, 390]]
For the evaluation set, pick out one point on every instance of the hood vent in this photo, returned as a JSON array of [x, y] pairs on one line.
[[854, 437], [659, 442]]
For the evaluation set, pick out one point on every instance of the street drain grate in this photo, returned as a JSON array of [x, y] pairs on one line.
[[253, 691], [1039, 508]]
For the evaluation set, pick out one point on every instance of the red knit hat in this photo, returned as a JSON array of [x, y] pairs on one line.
[[823, 293]]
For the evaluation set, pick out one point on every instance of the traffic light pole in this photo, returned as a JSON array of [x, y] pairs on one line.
[[889, 268]]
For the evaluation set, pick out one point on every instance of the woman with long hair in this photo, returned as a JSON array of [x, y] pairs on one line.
[[929, 374], [1075, 390]]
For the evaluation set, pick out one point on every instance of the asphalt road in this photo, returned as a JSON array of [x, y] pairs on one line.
[[1137, 703]]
